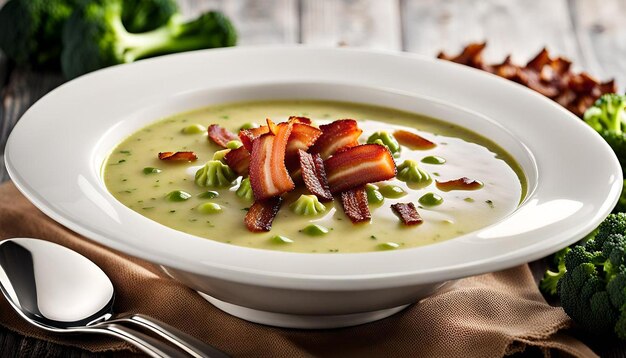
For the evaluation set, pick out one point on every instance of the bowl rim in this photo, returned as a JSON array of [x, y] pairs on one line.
[[594, 207]]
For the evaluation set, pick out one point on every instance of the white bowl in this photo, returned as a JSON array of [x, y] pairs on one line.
[[56, 151]]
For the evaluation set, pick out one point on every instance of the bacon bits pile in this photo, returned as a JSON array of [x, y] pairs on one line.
[[552, 77], [327, 161]]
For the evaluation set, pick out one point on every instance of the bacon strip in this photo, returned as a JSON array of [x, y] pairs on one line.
[[314, 175], [220, 136], [268, 174], [262, 213], [343, 133], [302, 137], [178, 156], [407, 213], [238, 160], [355, 205], [413, 140], [459, 184], [356, 166]]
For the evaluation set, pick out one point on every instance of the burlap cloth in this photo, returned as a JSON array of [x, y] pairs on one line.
[[485, 316]]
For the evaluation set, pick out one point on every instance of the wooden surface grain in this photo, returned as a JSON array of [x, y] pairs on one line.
[[590, 32]]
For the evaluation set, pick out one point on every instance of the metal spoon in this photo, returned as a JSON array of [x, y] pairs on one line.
[[59, 290]]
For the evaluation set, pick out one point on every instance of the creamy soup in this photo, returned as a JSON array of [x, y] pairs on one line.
[[142, 182]]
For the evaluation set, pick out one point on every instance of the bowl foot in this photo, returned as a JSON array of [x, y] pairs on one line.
[[301, 321]]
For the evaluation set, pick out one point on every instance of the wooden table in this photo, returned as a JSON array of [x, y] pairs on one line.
[[592, 33]]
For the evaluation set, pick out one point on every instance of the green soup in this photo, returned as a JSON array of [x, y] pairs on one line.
[[166, 193]]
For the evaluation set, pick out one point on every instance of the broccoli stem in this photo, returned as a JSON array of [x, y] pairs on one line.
[[169, 38]]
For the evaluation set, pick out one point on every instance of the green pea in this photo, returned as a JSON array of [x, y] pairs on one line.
[[151, 170], [281, 240], [386, 139], [208, 195], [194, 129], [373, 195], [233, 144], [433, 159], [209, 208], [220, 154], [178, 195], [430, 199], [387, 246], [249, 125], [392, 191], [315, 230]]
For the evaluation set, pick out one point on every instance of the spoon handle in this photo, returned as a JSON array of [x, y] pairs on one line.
[[152, 347], [193, 346]]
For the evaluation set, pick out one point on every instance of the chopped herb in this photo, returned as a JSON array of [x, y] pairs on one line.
[[469, 200], [490, 203], [245, 209], [148, 207], [172, 211], [125, 152], [373, 237]]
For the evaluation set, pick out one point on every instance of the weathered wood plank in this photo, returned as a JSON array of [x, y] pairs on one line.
[[364, 23], [264, 21], [24, 87], [518, 27], [601, 32]]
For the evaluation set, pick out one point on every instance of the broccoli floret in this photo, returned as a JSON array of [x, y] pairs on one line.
[[147, 15], [593, 288], [30, 30], [607, 113], [584, 298], [94, 37], [613, 224], [549, 283]]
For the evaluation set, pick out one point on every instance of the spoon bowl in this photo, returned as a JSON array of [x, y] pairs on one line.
[[59, 290]]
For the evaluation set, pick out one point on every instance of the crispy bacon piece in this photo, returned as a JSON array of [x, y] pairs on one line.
[[343, 133], [355, 205], [551, 77], [407, 213], [262, 213], [178, 156], [220, 136], [302, 137], [472, 55], [314, 175], [246, 136], [303, 120], [238, 160], [459, 184], [413, 140], [268, 174], [356, 166]]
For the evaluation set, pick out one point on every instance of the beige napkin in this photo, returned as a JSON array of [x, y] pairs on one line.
[[484, 316]]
